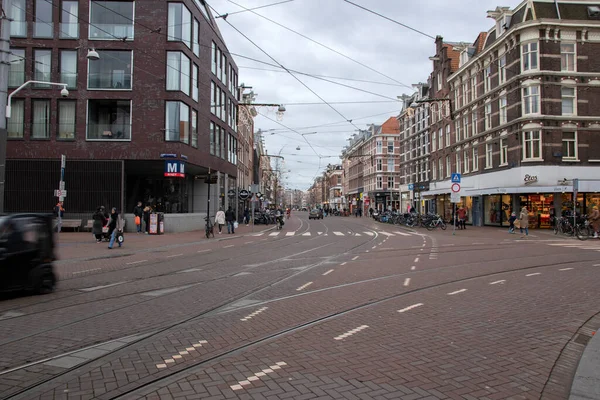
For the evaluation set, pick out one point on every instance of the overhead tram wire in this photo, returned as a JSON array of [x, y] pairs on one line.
[[322, 45], [255, 8], [293, 130]]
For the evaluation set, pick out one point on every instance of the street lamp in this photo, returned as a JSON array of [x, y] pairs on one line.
[[64, 92]]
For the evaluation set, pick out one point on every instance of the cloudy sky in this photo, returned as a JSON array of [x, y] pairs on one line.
[[398, 55]]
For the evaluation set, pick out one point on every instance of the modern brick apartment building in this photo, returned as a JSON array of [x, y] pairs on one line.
[[164, 86], [521, 122]]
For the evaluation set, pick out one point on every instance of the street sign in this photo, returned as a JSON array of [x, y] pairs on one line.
[[455, 197], [244, 194], [455, 177], [60, 193], [63, 161], [455, 188], [231, 193], [411, 186]]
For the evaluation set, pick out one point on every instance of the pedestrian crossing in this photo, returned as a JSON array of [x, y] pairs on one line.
[[335, 233], [591, 244]]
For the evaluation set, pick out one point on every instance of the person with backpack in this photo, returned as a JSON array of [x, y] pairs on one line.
[[59, 213]]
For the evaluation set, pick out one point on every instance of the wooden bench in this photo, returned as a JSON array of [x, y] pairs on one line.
[[74, 224]]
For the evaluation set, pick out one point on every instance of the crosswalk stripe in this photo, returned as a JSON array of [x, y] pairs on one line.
[[357, 234], [338, 233], [387, 234], [402, 233], [319, 233], [306, 234], [369, 233], [274, 234], [258, 234], [290, 233]]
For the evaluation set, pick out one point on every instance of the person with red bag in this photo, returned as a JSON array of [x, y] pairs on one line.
[[138, 212]]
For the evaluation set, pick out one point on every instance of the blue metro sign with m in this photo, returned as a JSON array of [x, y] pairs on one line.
[[174, 169]]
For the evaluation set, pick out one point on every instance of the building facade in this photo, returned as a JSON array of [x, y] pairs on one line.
[[335, 198], [525, 114], [355, 157], [155, 111]]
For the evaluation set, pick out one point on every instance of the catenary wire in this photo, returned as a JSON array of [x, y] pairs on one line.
[[255, 8]]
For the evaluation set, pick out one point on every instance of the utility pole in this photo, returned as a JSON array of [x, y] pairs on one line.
[[4, 69]]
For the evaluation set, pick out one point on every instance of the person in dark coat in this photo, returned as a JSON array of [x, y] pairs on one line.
[[230, 219], [147, 210], [99, 222], [138, 212]]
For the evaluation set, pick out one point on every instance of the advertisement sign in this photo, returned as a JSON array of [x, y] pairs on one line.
[[153, 223], [174, 169]]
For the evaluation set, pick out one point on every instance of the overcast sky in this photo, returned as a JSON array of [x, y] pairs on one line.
[[384, 46]]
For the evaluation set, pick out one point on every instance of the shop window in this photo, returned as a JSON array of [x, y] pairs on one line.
[[569, 144], [497, 209], [532, 145]]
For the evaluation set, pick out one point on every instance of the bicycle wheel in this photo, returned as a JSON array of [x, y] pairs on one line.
[[583, 232], [556, 228], [207, 232], [443, 225], [431, 226]]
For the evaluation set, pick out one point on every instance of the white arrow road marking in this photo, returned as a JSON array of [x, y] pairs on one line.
[[402, 233]]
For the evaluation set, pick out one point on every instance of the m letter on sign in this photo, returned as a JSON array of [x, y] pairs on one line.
[[174, 169]]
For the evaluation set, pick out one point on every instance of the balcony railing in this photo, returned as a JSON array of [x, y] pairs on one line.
[[110, 80], [108, 131], [110, 31], [18, 29], [70, 79], [69, 30], [43, 30]]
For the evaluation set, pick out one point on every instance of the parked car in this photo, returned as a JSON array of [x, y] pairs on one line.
[[315, 214], [27, 253]]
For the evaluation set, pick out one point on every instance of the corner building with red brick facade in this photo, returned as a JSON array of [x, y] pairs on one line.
[[144, 122], [523, 126]]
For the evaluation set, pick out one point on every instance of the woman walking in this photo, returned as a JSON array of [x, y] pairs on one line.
[[220, 219], [595, 221], [115, 227], [99, 222], [524, 220]]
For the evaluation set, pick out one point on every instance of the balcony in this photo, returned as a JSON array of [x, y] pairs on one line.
[[109, 120], [70, 79], [111, 31], [18, 29], [118, 79], [69, 30], [109, 131], [44, 30]]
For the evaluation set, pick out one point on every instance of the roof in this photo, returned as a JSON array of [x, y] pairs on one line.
[[390, 127], [567, 10], [454, 56], [480, 42]]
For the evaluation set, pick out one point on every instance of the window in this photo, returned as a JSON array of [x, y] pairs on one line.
[[212, 138], [502, 107], [177, 122], [219, 62], [488, 116], [433, 141], [447, 135], [439, 81], [379, 182], [529, 56], [474, 86], [223, 105], [502, 70], [68, 68], [112, 71], [16, 73], [466, 92], [434, 170], [217, 141], [531, 100], [195, 82], [457, 128], [232, 115], [532, 145], [569, 143], [196, 38], [213, 98], [448, 167], [466, 160], [180, 24], [194, 128], [390, 165], [390, 182], [213, 58], [223, 69], [487, 78], [390, 146], [178, 72], [567, 57], [441, 141], [475, 159], [16, 123], [379, 164], [40, 128], [111, 20], [504, 151], [458, 163], [379, 145], [466, 126], [18, 26], [489, 150], [474, 122], [69, 23], [43, 26], [42, 67], [441, 167], [568, 100], [109, 120], [66, 119]]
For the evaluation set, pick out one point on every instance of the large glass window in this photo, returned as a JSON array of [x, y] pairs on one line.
[[196, 38], [194, 128], [531, 100], [111, 20], [18, 26], [532, 145], [180, 24], [212, 138], [16, 123], [568, 99], [177, 122], [112, 71], [213, 58], [43, 26], [504, 151], [40, 128], [529, 56], [68, 68], [66, 119], [569, 144], [42, 66], [109, 120], [568, 57], [497, 209], [195, 82], [178, 72], [16, 73], [69, 20]]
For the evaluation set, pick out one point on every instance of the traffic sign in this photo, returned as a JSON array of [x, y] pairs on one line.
[[60, 193], [455, 188], [411, 186], [231, 193], [455, 177], [455, 197], [244, 194]]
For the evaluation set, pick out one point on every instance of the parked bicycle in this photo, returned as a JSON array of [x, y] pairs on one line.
[[209, 228], [437, 221]]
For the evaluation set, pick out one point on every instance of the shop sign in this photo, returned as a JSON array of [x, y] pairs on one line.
[[174, 169], [529, 179]]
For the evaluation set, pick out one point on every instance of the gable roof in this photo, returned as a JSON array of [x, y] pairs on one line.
[[390, 127]]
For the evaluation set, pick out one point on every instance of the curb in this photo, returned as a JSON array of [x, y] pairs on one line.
[[586, 383]]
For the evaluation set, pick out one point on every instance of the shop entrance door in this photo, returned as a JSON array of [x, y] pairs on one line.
[[477, 211]]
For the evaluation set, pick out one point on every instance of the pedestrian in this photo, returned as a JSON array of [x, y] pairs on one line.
[[230, 219], [220, 219], [59, 213], [146, 214], [115, 227], [462, 214], [594, 219], [371, 211], [138, 213], [246, 216], [99, 219], [511, 221], [360, 212], [524, 221]]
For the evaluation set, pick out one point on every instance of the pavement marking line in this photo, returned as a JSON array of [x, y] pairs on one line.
[[355, 258], [226, 247], [497, 282], [374, 247], [175, 255], [416, 260], [306, 234], [181, 354], [248, 242], [135, 262], [452, 244], [304, 286], [290, 233], [357, 234], [401, 233], [91, 289], [457, 292], [240, 385], [533, 274], [328, 272], [254, 314], [367, 251], [344, 263], [274, 234], [98, 269], [478, 243], [410, 307], [596, 265], [258, 234], [387, 234], [319, 233], [338, 233], [369, 233], [351, 332], [407, 282], [565, 269], [413, 268], [203, 251]]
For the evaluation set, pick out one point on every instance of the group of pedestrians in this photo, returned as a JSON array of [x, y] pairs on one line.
[[225, 217], [113, 221], [142, 214]]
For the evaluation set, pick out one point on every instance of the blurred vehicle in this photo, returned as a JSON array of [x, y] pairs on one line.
[[315, 214], [27, 253]]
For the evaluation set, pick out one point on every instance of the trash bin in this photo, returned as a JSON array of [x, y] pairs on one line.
[[157, 223]]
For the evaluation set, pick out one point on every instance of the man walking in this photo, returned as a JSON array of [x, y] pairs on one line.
[[59, 211], [138, 213], [230, 218]]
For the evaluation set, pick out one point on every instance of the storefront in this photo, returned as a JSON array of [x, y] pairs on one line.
[[497, 209]]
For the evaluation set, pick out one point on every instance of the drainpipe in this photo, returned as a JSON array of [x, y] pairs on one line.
[[557, 10]]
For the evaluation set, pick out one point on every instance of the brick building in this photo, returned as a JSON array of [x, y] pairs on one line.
[[164, 84], [354, 159], [335, 198], [524, 121]]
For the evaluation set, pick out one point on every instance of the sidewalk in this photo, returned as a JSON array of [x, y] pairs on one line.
[[83, 245]]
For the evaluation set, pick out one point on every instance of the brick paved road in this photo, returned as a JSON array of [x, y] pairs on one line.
[[341, 308]]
